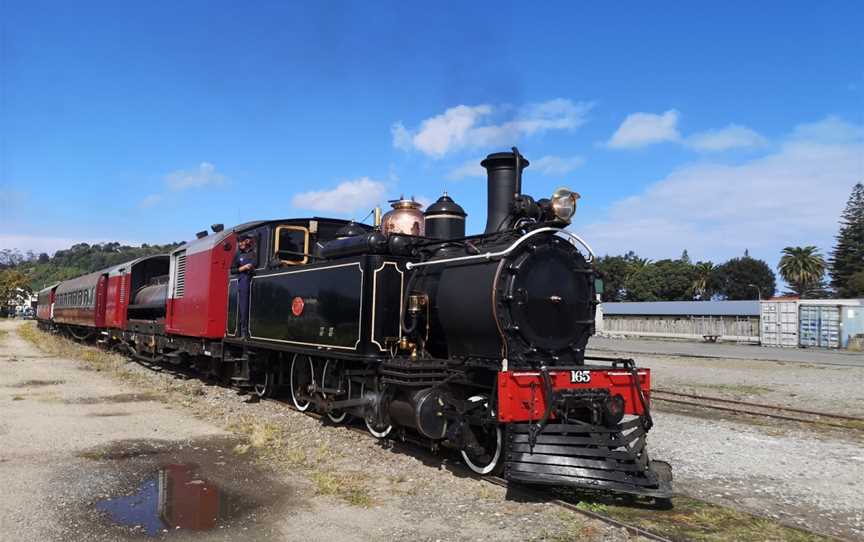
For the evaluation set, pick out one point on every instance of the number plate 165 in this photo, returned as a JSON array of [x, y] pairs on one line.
[[580, 377]]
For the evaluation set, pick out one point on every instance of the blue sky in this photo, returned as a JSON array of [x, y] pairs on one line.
[[711, 128]]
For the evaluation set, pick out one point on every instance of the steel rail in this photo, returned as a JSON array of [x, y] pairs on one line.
[[632, 529], [759, 405], [751, 413]]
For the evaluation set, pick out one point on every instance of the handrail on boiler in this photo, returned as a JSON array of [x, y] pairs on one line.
[[506, 251]]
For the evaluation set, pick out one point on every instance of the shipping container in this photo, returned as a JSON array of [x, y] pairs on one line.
[[779, 323], [852, 320], [830, 323], [819, 326]]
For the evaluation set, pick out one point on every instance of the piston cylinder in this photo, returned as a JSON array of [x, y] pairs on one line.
[[422, 410]]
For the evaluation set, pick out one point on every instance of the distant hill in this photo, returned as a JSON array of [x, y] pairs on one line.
[[79, 259]]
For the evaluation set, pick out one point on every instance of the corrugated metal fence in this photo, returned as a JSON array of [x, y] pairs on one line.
[[727, 328]]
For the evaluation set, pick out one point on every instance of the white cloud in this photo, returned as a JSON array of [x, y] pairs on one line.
[[348, 196], [204, 175], [730, 137], [466, 126], [556, 166], [471, 168], [151, 200], [831, 129], [642, 129], [182, 179], [793, 196]]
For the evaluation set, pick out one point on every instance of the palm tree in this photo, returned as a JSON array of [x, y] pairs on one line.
[[802, 268], [702, 279]]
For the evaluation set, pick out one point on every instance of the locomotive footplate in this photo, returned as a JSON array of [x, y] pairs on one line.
[[586, 456]]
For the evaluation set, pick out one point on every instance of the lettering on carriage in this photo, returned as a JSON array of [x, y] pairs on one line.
[[580, 377]]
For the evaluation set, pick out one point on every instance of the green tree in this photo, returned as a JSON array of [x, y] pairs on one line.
[[13, 284], [855, 285], [739, 279], [82, 258], [802, 268], [702, 283], [615, 270], [665, 280], [848, 256]]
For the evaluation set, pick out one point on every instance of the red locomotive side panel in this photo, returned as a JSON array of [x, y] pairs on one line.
[[198, 287], [520, 393], [81, 301]]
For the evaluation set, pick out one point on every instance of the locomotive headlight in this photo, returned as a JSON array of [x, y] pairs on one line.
[[564, 203]]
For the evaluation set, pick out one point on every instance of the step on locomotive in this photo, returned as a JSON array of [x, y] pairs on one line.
[[472, 342]]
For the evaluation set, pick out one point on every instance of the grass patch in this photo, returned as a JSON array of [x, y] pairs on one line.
[[348, 487], [94, 358], [699, 521], [571, 527], [486, 492], [596, 507]]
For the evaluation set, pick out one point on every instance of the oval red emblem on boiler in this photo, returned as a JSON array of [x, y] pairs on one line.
[[297, 305]]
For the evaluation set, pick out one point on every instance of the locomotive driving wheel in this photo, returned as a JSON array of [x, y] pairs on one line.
[[373, 422], [264, 388], [490, 439], [302, 376], [333, 378]]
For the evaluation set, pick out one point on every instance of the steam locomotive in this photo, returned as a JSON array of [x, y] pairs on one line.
[[475, 343]]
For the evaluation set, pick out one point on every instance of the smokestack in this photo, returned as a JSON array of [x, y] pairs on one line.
[[504, 182]]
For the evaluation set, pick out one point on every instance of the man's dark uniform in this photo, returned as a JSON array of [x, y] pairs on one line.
[[242, 258]]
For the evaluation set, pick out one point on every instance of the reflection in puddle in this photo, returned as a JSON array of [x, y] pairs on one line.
[[176, 498]]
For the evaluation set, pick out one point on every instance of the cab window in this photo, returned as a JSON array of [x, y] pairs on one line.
[[292, 245]]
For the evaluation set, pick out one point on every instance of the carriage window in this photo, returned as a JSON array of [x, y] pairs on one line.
[[292, 244]]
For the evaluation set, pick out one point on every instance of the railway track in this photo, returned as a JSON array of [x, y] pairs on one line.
[[419, 448], [758, 409]]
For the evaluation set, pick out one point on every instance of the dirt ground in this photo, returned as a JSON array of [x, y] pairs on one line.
[[85, 457], [103, 449]]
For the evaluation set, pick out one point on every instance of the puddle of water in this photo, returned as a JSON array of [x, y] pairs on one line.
[[175, 497], [151, 488]]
